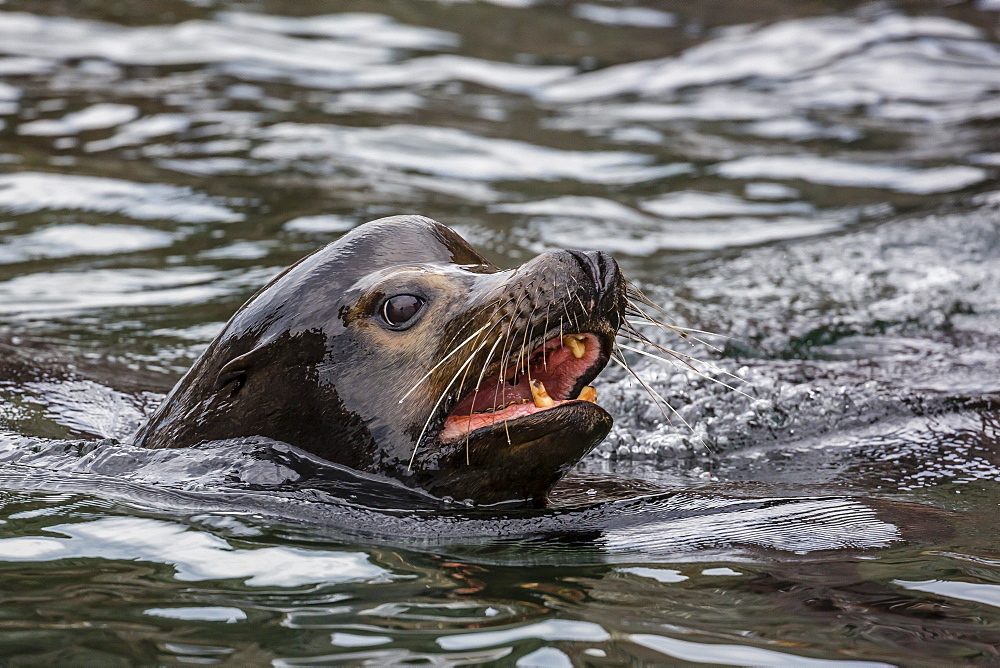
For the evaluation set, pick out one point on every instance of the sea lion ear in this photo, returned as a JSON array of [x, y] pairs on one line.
[[234, 371]]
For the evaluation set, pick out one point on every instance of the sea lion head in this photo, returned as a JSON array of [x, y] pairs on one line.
[[399, 350]]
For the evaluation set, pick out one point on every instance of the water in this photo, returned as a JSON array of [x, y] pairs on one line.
[[815, 181]]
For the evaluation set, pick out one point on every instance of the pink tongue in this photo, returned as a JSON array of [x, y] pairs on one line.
[[458, 425]]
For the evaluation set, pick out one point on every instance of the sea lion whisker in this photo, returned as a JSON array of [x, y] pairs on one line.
[[504, 358], [703, 375], [677, 330], [528, 331], [674, 363], [640, 337], [683, 359], [620, 361], [461, 384], [545, 358], [580, 302], [475, 393], [511, 337], [442, 361], [633, 292], [633, 295], [657, 395], [444, 393], [489, 318], [495, 310]]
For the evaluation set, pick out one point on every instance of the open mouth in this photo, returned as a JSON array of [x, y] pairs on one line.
[[554, 374]]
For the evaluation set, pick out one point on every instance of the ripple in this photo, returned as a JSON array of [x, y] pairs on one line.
[[356, 640], [187, 43], [453, 153], [28, 192], [655, 235], [640, 17], [60, 241], [717, 653], [380, 102], [68, 292], [95, 117], [88, 407], [691, 204], [195, 555], [573, 205], [24, 66], [320, 224], [142, 130], [601, 224], [374, 29], [988, 594], [425, 71], [833, 523], [550, 629], [9, 93], [240, 250], [800, 129], [201, 614], [663, 575], [721, 105], [779, 52], [830, 171]]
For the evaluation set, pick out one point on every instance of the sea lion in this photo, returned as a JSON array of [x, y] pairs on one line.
[[401, 351]]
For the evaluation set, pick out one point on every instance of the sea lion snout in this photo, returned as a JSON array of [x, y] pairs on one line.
[[601, 266]]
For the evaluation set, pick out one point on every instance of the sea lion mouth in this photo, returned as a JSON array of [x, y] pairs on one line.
[[556, 373]]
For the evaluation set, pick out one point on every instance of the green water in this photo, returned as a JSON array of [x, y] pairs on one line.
[[815, 181]]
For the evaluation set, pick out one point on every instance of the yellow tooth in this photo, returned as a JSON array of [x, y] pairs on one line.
[[576, 344], [541, 397], [588, 393]]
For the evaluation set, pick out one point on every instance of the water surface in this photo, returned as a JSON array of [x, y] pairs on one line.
[[816, 181]]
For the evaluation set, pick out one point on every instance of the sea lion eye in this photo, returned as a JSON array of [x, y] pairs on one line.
[[398, 310]]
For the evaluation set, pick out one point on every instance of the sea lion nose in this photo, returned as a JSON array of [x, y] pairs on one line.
[[601, 267]]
